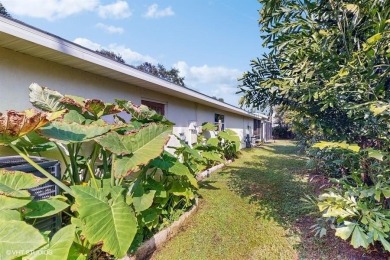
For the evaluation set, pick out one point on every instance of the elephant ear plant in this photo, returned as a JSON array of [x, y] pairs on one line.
[[117, 182]]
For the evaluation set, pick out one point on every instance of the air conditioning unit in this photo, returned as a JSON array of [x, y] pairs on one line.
[[44, 191]]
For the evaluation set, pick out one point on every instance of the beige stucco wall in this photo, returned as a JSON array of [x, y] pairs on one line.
[[18, 71]]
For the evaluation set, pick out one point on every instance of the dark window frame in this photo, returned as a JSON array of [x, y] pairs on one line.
[[218, 117], [156, 106]]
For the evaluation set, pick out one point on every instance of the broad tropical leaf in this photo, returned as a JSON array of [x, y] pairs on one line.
[[45, 98], [13, 188], [133, 141], [7, 202], [44, 208], [15, 124], [8, 214], [17, 238], [98, 108], [12, 182], [141, 113], [58, 247], [109, 221], [212, 156], [142, 147], [209, 127], [15, 183], [213, 141], [142, 199], [164, 162], [73, 132], [182, 170], [34, 143]]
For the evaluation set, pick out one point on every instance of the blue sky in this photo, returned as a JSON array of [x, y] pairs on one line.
[[211, 42]]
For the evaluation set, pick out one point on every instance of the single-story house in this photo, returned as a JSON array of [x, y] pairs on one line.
[[28, 55]]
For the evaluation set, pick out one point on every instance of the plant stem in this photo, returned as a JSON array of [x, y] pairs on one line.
[[65, 162], [43, 171], [112, 170], [73, 162], [105, 163], [92, 176]]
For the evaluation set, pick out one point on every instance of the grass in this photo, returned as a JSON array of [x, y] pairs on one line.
[[247, 209]]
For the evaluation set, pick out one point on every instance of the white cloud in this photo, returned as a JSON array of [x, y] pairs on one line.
[[213, 81], [49, 9], [88, 44], [109, 28], [154, 12], [118, 10], [131, 57]]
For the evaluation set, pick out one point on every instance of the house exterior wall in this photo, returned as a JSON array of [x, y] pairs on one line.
[[18, 71]]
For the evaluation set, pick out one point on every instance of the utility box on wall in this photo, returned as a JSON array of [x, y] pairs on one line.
[[44, 191]]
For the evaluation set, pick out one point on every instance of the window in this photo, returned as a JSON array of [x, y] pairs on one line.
[[257, 128], [219, 120], [158, 107]]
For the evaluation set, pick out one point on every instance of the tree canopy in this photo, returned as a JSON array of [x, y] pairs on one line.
[[329, 64], [111, 55], [4, 11], [328, 61], [160, 71]]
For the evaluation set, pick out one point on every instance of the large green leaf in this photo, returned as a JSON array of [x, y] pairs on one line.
[[13, 203], [110, 221], [13, 183], [212, 156], [231, 136], [73, 132], [44, 208], [141, 113], [142, 199], [13, 188], [8, 214], [45, 98], [17, 238], [133, 141], [213, 141], [144, 146], [182, 170], [58, 247], [34, 143], [164, 162], [209, 127]]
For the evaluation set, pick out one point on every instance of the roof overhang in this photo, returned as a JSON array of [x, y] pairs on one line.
[[23, 38]]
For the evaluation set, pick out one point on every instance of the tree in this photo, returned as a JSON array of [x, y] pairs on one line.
[[326, 57], [329, 63], [111, 55], [4, 11], [219, 99], [160, 71]]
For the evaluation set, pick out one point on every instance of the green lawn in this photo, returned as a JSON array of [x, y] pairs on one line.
[[247, 209]]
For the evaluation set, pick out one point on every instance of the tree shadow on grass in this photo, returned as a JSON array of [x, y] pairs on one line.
[[273, 181], [207, 185]]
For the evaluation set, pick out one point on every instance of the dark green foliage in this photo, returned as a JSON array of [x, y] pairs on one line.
[[282, 132], [111, 55], [4, 11], [160, 71], [329, 64]]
